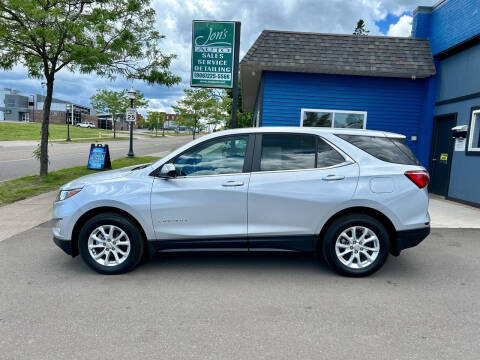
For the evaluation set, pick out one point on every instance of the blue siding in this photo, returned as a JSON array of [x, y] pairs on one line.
[[421, 24], [459, 74], [450, 23], [465, 173], [392, 104]]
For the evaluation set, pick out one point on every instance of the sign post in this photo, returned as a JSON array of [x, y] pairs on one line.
[[131, 117], [215, 54]]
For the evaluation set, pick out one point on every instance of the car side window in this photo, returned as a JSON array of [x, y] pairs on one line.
[[287, 152], [327, 155], [220, 156]]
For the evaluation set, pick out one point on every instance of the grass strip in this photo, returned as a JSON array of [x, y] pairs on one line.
[[32, 131], [28, 186]]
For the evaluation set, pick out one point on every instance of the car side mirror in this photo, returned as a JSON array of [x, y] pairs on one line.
[[168, 171]]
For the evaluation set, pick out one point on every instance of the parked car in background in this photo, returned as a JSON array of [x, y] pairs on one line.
[[352, 196], [86, 125]]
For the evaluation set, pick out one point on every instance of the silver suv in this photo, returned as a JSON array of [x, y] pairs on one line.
[[353, 196]]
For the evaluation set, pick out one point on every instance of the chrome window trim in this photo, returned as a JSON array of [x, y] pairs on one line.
[[200, 176], [345, 163], [348, 160]]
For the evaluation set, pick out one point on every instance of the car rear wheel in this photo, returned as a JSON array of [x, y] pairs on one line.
[[111, 243], [356, 245]]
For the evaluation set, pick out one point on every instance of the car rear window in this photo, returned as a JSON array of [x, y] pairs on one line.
[[393, 150]]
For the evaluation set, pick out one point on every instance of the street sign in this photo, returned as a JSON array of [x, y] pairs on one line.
[[131, 115], [213, 54]]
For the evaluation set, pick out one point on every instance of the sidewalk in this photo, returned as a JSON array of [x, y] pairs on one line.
[[26, 214], [451, 214]]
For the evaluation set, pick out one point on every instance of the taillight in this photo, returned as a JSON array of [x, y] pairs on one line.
[[418, 177]]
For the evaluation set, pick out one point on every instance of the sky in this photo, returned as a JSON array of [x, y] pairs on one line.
[[174, 20]]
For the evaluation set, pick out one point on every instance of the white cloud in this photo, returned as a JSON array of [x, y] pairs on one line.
[[174, 19], [403, 27]]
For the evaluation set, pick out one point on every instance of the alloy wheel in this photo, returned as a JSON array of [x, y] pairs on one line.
[[357, 247], [109, 245]]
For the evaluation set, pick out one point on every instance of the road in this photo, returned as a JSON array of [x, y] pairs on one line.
[[424, 304], [17, 160]]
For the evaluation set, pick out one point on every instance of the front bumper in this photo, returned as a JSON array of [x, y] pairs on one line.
[[65, 245], [410, 238]]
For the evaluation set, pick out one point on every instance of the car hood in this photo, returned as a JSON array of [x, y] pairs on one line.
[[101, 176]]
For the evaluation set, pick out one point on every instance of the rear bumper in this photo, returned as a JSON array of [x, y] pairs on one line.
[[410, 238], [65, 245]]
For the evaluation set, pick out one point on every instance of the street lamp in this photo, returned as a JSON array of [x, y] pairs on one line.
[[131, 96], [68, 122]]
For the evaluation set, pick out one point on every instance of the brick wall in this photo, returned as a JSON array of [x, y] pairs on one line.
[[56, 117], [59, 117]]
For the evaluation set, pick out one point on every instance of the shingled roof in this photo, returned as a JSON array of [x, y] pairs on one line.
[[333, 54]]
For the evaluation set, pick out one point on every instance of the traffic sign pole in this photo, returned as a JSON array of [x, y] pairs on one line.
[[131, 118]]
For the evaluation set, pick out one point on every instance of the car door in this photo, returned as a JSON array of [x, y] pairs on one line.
[[206, 204], [296, 179]]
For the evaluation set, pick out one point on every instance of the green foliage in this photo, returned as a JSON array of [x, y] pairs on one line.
[[116, 102], [200, 104], [28, 186], [107, 37], [155, 120], [244, 118], [361, 29]]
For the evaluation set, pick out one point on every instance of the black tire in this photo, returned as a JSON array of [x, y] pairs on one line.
[[343, 223], [134, 235]]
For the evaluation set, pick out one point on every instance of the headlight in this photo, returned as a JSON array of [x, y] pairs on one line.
[[65, 194]]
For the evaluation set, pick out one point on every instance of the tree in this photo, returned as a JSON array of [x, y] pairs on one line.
[[361, 29], [115, 103], [105, 37], [156, 120], [244, 118], [141, 123], [198, 103]]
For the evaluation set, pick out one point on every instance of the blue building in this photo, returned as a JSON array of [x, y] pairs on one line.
[[426, 87]]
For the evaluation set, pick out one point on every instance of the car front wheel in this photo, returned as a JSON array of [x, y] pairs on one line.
[[111, 243], [356, 245]]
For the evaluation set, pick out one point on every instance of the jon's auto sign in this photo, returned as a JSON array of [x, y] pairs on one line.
[[213, 53]]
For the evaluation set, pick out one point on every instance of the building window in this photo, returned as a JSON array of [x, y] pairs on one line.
[[474, 133], [333, 118]]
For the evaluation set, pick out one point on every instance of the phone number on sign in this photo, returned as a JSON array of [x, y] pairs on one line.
[[211, 76]]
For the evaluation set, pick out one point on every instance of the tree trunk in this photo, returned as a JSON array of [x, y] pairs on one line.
[[114, 121], [45, 122]]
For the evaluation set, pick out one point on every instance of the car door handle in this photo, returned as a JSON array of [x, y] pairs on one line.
[[232, 183], [333, 177]]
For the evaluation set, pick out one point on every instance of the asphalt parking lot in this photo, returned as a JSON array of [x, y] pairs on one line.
[[424, 304]]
